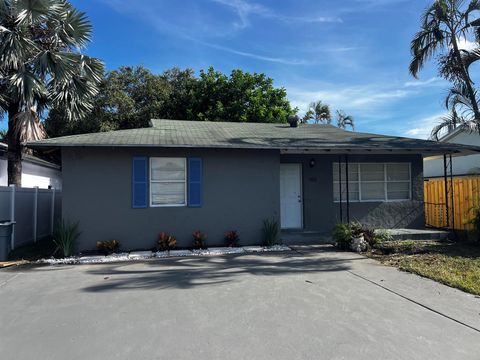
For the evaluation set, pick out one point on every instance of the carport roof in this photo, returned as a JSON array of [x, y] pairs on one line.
[[204, 134]]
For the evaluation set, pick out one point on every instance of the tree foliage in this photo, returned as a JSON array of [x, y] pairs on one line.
[[130, 96], [443, 25], [41, 66], [318, 112], [344, 120]]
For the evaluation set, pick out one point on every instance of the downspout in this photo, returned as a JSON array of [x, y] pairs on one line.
[[340, 186], [452, 184], [348, 192], [445, 180]]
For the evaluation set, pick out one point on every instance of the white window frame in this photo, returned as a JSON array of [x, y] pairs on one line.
[[184, 181], [385, 181]]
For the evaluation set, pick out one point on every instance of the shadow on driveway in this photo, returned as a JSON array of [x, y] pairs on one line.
[[185, 273]]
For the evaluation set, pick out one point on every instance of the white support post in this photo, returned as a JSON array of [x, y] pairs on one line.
[[12, 214], [52, 214], [35, 214]]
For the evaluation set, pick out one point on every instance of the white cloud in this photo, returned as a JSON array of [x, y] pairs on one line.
[[280, 60], [423, 127], [244, 9], [363, 100], [466, 44], [434, 81]]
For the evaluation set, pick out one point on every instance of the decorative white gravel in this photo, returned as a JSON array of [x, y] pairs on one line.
[[136, 255], [224, 250], [277, 248], [140, 255], [250, 249]]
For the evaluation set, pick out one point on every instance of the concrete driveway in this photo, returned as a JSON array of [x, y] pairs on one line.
[[312, 304]]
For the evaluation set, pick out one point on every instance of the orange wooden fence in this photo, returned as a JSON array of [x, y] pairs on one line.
[[466, 196]]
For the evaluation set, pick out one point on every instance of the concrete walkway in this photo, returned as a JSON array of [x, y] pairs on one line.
[[314, 303]]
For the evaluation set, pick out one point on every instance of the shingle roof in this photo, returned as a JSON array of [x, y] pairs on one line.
[[204, 134]]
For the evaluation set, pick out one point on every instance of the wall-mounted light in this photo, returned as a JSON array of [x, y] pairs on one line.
[[312, 163]]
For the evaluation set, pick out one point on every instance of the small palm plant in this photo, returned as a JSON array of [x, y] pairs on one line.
[[65, 236], [270, 232]]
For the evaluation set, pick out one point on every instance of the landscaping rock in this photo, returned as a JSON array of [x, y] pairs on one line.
[[180, 253], [358, 244]]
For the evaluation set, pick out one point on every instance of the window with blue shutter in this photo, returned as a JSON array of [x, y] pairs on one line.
[[140, 182], [195, 182]]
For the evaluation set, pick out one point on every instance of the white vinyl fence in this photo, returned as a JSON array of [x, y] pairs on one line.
[[34, 210]]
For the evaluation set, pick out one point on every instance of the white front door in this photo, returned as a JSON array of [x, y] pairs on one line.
[[291, 196]]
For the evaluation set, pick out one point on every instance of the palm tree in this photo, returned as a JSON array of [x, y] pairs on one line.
[[442, 25], [461, 113], [344, 120], [41, 66], [319, 112]]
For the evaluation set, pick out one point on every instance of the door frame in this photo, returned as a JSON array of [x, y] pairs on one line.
[[300, 171]]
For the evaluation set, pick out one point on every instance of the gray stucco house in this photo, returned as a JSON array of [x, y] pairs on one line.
[[181, 176]]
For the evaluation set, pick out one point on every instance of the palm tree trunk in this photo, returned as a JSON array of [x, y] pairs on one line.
[[466, 78], [14, 153]]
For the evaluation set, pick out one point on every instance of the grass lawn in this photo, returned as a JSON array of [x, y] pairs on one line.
[[453, 264]]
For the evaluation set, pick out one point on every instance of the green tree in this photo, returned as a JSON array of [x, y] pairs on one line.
[[130, 96], [240, 97], [318, 112], [41, 67], [443, 24], [344, 120]]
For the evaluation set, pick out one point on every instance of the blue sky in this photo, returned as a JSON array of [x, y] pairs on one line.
[[352, 54]]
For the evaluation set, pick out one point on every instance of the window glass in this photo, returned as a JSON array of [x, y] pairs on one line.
[[167, 181], [166, 193], [372, 172], [398, 190], [398, 172], [167, 169], [352, 172], [373, 191], [373, 181], [353, 192]]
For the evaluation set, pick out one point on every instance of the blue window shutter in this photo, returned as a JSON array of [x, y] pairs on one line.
[[140, 182], [195, 182]]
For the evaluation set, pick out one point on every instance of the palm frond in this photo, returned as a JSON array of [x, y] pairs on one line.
[[58, 65], [25, 88], [32, 11], [74, 28], [447, 124], [15, 48], [423, 47], [458, 96]]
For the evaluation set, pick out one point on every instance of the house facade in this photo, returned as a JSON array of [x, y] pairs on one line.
[[36, 172], [182, 176], [465, 165]]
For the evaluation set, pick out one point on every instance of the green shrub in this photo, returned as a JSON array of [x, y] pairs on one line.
[[381, 236], [342, 234], [65, 235], [270, 232]]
